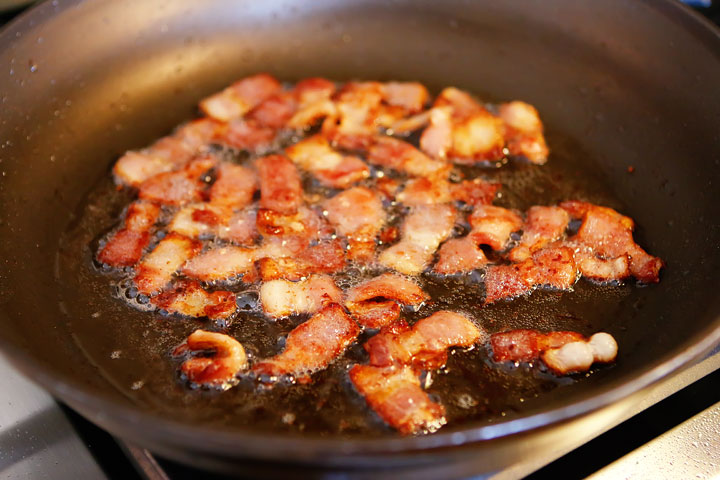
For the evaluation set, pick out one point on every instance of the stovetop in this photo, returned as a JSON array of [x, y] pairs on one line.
[[673, 433]]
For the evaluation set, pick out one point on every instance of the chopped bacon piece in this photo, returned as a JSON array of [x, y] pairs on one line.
[[542, 226], [240, 97], [281, 298], [422, 232], [609, 235], [354, 124], [579, 356], [156, 269], [436, 139], [475, 192], [426, 344], [303, 226], [134, 167], [375, 314], [275, 111], [190, 299], [401, 156], [280, 186], [218, 264], [178, 187], [388, 286], [425, 191], [312, 345], [600, 270], [459, 255], [234, 186], [478, 138], [126, 246], [199, 220], [395, 395], [241, 228], [245, 135], [552, 267], [527, 345], [524, 131], [461, 103], [325, 257], [218, 371], [493, 225], [313, 103], [332, 169], [358, 214], [410, 96]]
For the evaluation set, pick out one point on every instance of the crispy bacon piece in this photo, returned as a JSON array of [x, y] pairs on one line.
[[425, 191], [395, 394], [542, 226], [422, 232], [399, 155], [312, 345], [609, 235], [426, 344], [218, 264], [200, 220], [332, 169], [358, 215], [388, 286], [218, 371], [281, 298], [237, 99], [188, 298], [178, 187], [527, 345], [493, 225], [168, 153], [462, 129], [354, 124], [552, 267], [245, 135], [325, 257], [156, 269], [474, 192], [375, 314], [299, 229], [598, 269], [459, 255], [562, 352], [275, 111], [280, 186], [410, 96], [234, 186], [313, 102], [524, 131], [125, 247]]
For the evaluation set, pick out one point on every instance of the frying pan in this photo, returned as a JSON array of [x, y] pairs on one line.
[[627, 83]]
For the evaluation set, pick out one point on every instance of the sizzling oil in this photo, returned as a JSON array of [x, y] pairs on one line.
[[130, 346]]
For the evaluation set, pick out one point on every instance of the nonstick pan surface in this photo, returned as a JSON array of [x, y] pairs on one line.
[[618, 84]]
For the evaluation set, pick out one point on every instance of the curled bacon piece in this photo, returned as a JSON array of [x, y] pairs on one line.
[[562, 352], [218, 264], [156, 269], [325, 257], [237, 99], [493, 225], [422, 231], [552, 267], [168, 153], [280, 186], [358, 214], [190, 299], [125, 247], [218, 371], [459, 255], [608, 234], [178, 187], [332, 169], [394, 393], [374, 303], [426, 344], [281, 298], [542, 226], [524, 131], [313, 102], [399, 155], [474, 192], [312, 345]]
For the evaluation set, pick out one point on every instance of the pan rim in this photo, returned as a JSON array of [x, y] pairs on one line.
[[172, 431]]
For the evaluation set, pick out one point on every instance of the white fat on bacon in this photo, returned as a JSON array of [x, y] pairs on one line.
[[188, 298], [358, 215], [524, 131], [281, 298], [237, 99], [156, 269], [459, 255], [423, 230], [221, 263], [178, 187], [401, 156], [331, 168], [542, 226], [125, 247], [493, 225], [425, 191], [579, 356], [376, 302]]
